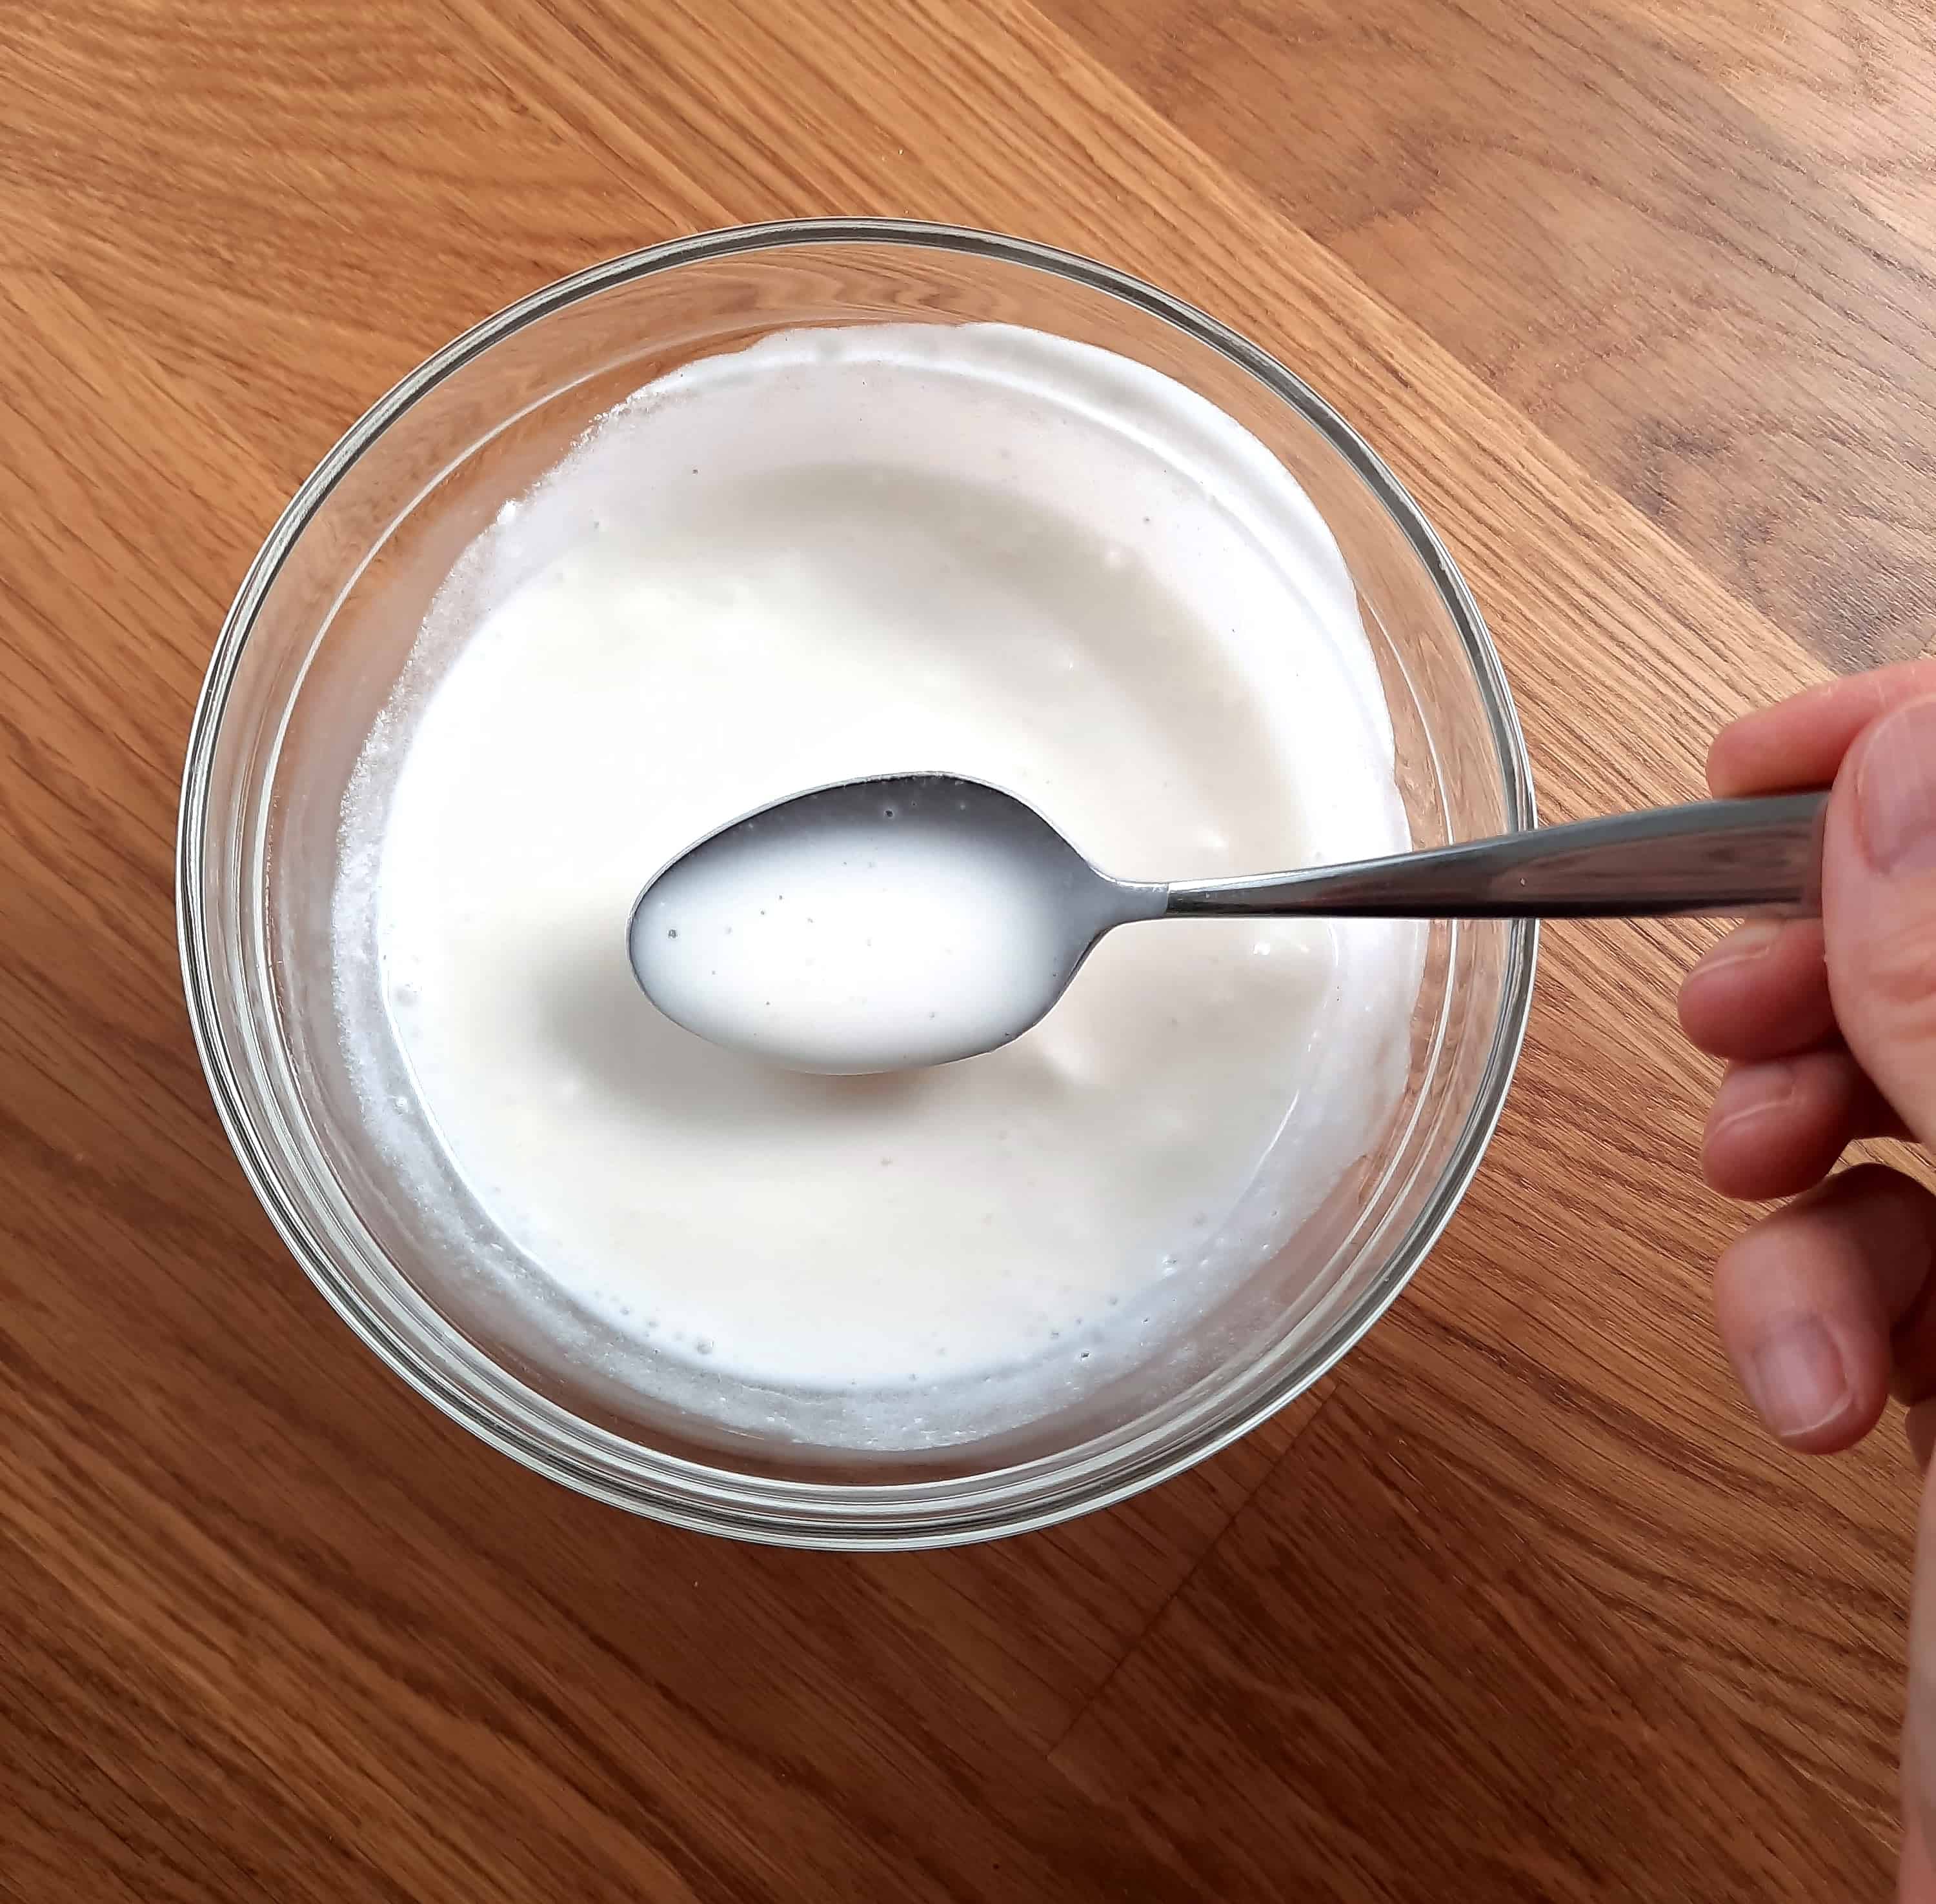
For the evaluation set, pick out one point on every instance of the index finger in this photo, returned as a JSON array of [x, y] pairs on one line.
[[1799, 743]]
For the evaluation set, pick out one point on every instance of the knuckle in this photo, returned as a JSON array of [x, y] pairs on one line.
[[1898, 976]]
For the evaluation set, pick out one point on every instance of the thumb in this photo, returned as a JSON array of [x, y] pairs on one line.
[[1879, 909]]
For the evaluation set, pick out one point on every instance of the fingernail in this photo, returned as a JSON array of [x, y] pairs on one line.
[[1796, 1381], [1895, 791], [1750, 1089], [1746, 942]]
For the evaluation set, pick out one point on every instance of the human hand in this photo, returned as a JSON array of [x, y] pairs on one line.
[[1828, 1304]]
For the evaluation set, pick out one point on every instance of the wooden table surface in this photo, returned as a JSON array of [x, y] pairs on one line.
[[1637, 296]]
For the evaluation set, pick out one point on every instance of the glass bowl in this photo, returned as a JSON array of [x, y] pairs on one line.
[[306, 659]]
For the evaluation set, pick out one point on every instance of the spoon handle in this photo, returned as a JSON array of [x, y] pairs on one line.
[[1717, 858]]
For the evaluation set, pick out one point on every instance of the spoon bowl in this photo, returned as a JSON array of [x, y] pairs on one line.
[[881, 924]]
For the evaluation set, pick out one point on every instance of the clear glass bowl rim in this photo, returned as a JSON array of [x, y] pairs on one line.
[[541, 1434]]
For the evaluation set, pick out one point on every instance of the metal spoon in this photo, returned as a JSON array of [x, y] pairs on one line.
[[1718, 858]]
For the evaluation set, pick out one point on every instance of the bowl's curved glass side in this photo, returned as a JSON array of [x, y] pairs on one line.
[[360, 542]]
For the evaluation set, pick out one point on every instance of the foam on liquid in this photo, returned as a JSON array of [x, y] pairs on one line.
[[882, 549]]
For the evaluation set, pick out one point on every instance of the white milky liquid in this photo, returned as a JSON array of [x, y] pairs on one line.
[[883, 549], [882, 925]]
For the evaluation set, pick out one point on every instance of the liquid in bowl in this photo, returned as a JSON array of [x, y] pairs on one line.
[[849, 552]]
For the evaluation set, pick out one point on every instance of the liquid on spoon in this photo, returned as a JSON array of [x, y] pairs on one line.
[[884, 925]]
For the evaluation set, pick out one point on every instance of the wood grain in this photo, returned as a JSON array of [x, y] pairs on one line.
[[1518, 1604], [1721, 311]]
